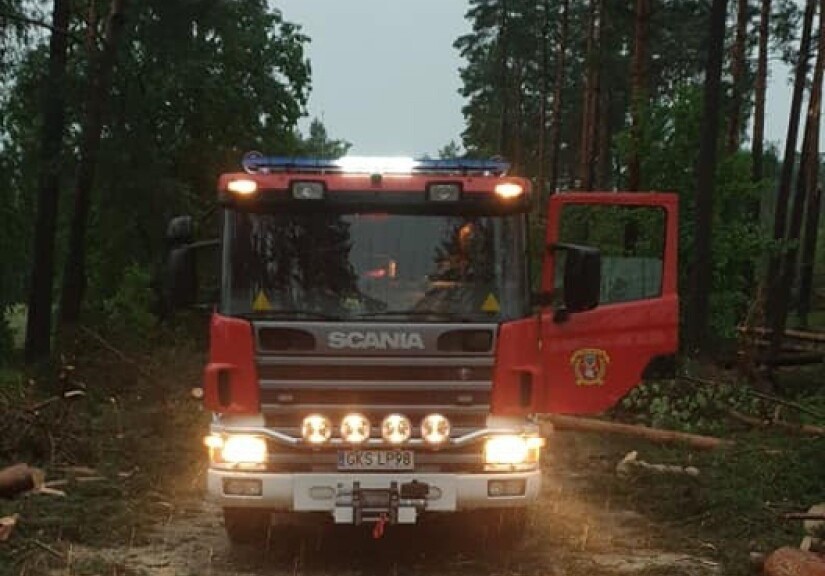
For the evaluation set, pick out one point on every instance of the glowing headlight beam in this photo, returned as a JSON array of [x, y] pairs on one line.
[[355, 428], [435, 429], [396, 428], [316, 429], [244, 449]]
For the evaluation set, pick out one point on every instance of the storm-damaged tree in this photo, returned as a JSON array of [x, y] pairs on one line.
[[806, 180], [773, 278]]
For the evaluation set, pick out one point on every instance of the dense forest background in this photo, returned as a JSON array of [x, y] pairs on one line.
[[116, 115]]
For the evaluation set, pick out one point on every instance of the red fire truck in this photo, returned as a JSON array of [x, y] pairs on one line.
[[378, 353]]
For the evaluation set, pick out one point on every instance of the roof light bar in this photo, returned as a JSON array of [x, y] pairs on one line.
[[255, 162]]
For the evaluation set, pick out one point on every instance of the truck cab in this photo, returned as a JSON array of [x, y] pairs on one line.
[[377, 353]]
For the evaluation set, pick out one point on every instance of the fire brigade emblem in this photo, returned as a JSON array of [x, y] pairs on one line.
[[589, 366]]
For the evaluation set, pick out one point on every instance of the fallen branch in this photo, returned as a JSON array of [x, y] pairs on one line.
[[563, 422], [631, 462], [802, 516], [102, 341], [807, 429], [20, 478]]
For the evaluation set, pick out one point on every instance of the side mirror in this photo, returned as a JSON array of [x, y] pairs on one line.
[[180, 286], [581, 276], [180, 230]]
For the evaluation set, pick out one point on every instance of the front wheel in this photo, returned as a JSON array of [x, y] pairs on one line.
[[247, 525]]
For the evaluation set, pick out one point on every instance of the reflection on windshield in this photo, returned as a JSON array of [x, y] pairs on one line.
[[375, 265]]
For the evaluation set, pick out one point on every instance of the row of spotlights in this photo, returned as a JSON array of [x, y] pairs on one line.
[[395, 428]]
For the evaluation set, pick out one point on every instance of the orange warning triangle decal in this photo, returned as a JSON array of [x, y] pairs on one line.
[[491, 304]]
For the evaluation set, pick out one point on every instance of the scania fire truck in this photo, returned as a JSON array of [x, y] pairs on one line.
[[378, 351]]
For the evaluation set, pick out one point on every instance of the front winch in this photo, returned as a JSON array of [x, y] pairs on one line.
[[383, 506]]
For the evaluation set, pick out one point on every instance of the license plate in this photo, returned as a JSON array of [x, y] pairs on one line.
[[376, 460]]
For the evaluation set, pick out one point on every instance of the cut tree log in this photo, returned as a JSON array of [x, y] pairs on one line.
[[20, 478], [794, 562], [658, 435], [7, 524]]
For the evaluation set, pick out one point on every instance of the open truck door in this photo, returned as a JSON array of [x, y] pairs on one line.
[[599, 343]]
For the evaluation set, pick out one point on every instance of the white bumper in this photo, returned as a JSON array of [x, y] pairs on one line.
[[316, 492]]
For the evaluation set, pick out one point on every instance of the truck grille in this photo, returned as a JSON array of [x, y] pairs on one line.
[[451, 380]]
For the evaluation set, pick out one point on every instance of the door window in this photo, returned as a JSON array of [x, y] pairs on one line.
[[631, 240]]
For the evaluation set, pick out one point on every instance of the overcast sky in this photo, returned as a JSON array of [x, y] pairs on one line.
[[385, 73]]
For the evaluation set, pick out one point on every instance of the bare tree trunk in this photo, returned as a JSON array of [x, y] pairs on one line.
[[786, 176], [808, 172], [738, 74], [39, 321], [702, 269], [559, 80], [605, 127], [543, 92], [503, 55], [761, 88], [806, 279], [589, 101], [74, 275], [638, 94]]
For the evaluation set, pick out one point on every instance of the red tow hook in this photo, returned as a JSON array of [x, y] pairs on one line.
[[378, 529]]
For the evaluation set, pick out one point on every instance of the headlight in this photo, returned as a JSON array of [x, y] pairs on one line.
[[396, 428], [316, 429], [244, 449], [435, 429], [512, 450], [355, 428]]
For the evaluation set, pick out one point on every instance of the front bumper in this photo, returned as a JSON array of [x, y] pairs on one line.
[[327, 492]]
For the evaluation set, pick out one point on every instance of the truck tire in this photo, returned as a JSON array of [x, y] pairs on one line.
[[247, 525]]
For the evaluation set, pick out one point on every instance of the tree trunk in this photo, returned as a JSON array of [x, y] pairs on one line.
[[589, 100], [702, 269], [638, 94], [503, 55], [806, 279], [738, 74], [808, 172], [39, 321], [543, 93], [788, 162], [74, 275], [558, 86], [760, 89]]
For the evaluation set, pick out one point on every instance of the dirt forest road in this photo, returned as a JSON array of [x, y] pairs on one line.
[[575, 530]]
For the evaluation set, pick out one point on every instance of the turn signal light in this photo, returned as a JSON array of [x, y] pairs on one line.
[[242, 187], [509, 190]]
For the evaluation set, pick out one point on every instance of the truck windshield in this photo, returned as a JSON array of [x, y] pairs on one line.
[[374, 266]]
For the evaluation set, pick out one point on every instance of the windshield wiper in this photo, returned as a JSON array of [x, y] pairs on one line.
[[454, 316], [289, 315]]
